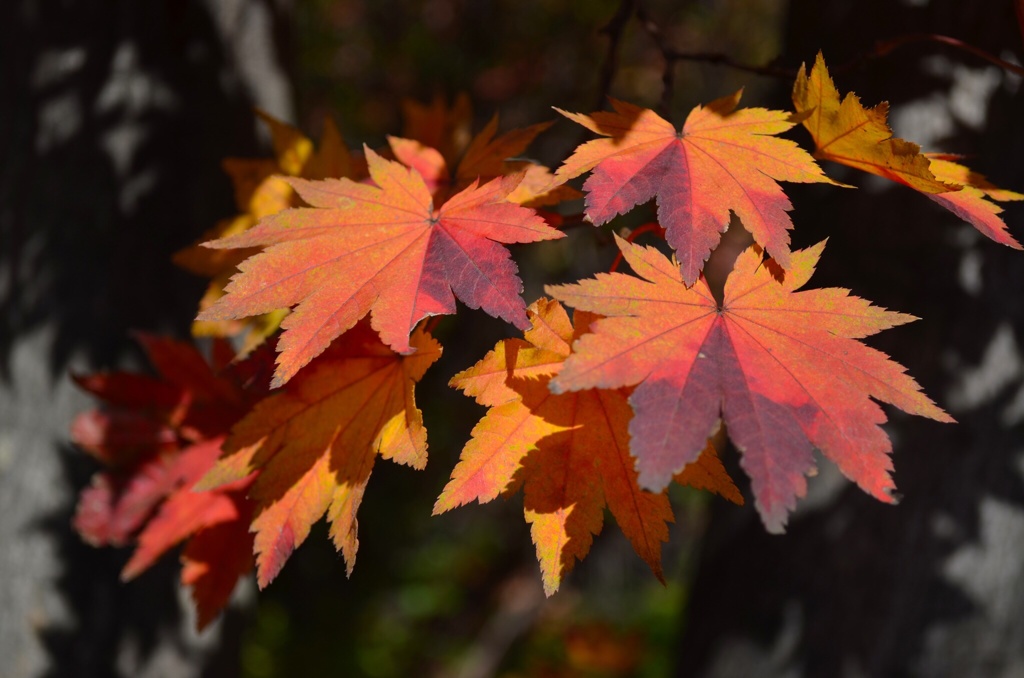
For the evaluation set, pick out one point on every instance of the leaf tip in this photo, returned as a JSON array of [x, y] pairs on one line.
[[652, 480], [550, 587], [556, 387], [775, 528], [131, 570], [442, 505]]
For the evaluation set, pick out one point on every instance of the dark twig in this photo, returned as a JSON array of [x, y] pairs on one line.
[[884, 47], [628, 8], [881, 49], [719, 59], [668, 76], [614, 30]]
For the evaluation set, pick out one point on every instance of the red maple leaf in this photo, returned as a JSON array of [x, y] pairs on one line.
[[157, 436], [213, 561], [260, 190], [215, 524], [722, 160], [384, 249], [781, 368]]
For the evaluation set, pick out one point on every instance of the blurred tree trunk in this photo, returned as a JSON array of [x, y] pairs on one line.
[[114, 117], [935, 585]]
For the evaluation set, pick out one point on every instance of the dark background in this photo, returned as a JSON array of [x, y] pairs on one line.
[[114, 117]]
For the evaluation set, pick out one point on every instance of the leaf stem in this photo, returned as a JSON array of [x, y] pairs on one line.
[[432, 323], [649, 227]]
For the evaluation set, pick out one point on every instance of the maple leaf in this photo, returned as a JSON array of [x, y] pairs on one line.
[[385, 249], [157, 436], [213, 561], [487, 157], [781, 368], [145, 422], [708, 474], [261, 190], [315, 442], [187, 401], [570, 452], [117, 503], [215, 523], [970, 203], [490, 156], [185, 512], [296, 156], [722, 160], [439, 126], [846, 132]]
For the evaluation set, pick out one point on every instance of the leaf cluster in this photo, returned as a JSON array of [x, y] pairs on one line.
[[338, 260]]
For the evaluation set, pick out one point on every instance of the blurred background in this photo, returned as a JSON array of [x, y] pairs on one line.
[[114, 119]]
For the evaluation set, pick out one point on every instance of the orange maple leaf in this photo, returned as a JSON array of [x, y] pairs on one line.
[[723, 160], [261, 190], [492, 156], [569, 451], [381, 248], [846, 132], [781, 368], [315, 442], [437, 125]]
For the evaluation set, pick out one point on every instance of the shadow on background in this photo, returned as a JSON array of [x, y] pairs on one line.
[[114, 120]]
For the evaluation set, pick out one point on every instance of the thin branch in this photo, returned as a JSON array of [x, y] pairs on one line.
[[884, 47], [719, 59], [614, 30], [668, 76], [881, 49], [519, 603]]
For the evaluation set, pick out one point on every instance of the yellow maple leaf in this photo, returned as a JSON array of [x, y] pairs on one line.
[[846, 132]]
